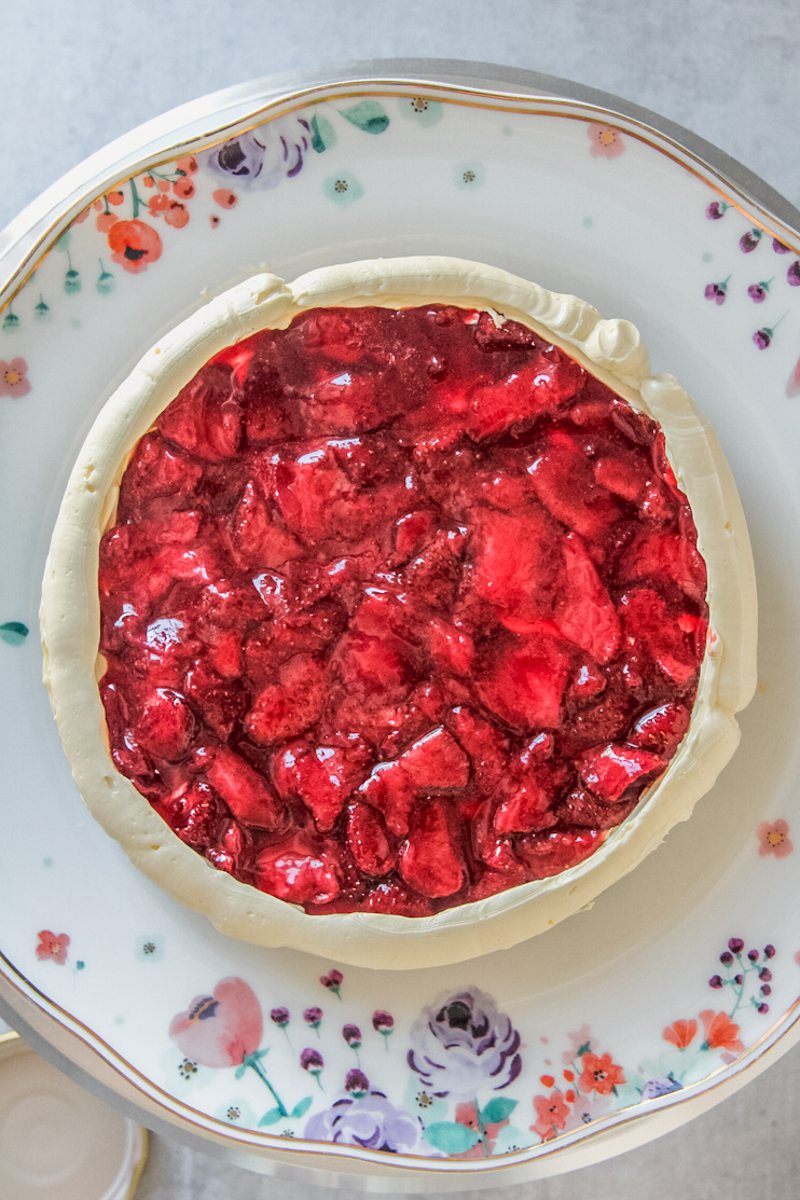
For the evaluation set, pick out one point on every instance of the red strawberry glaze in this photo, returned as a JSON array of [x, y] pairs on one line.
[[400, 609]]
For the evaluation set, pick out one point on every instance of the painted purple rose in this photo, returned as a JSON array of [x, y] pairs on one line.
[[265, 156], [463, 1044], [716, 291], [779, 247], [758, 291], [365, 1118], [660, 1087], [312, 1016], [716, 209], [793, 273], [280, 1016], [382, 1021], [352, 1035]]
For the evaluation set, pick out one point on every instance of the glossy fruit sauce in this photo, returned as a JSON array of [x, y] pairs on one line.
[[400, 609]]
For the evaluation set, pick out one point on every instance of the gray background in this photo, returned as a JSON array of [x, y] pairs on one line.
[[76, 73]]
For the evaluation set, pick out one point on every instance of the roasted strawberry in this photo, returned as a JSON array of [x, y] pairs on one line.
[[436, 762], [368, 840], [485, 744], [321, 776], [244, 790], [390, 790], [584, 613], [165, 726], [299, 870], [608, 771], [664, 558], [523, 681], [155, 472], [206, 416], [430, 858], [220, 702], [259, 539], [673, 639], [562, 478], [286, 708], [517, 560], [661, 729], [557, 850]]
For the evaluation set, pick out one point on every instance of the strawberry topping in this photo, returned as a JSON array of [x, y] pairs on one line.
[[399, 609]]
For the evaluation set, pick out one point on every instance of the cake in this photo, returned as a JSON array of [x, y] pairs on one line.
[[396, 612]]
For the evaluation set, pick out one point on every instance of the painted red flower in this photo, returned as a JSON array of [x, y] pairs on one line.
[[14, 378], [607, 142], [600, 1074], [220, 1030], [680, 1033], [52, 946], [773, 838], [134, 244], [551, 1115], [721, 1033]]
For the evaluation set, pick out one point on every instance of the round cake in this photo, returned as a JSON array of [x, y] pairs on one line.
[[396, 612]]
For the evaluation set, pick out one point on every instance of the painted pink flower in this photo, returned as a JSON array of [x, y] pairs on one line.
[[793, 382], [467, 1114], [680, 1033], [600, 1073], [14, 378], [606, 141], [773, 838], [220, 1030], [721, 1033], [580, 1041], [52, 946], [551, 1115]]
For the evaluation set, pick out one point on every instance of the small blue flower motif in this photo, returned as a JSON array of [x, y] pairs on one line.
[[469, 175], [149, 949], [422, 110], [237, 1112], [343, 188]]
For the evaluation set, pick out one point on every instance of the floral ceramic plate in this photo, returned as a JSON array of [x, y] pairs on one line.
[[684, 978]]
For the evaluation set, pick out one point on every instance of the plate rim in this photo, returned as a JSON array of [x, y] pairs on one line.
[[58, 204]]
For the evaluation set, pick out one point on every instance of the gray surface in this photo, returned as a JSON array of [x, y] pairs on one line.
[[77, 73]]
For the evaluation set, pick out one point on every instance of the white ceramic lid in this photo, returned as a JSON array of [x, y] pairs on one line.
[[56, 1140]]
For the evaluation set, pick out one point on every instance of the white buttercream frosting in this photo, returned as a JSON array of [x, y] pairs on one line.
[[611, 350]]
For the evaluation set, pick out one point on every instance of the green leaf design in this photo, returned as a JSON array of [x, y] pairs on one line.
[[302, 1106], [368, 115], [450, 1137], [322, 134], [14, 632], [498, 1109], [271, 1116], [584, 1048]]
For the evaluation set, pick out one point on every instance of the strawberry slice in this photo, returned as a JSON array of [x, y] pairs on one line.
[[584, 613], [436, 762], [368, 841], [430, 860], [156, 471], [451, 649], [166, 725], [608, 771], [206, 416], [517, 560], [626, 478], [485, 744], [391, 791], [582, 810], [522, 682], [259, 540], [321, 776], [194, 814], [220, 702], [513, 403], [332, 335], [562, 478], [434, 574], [285, 709], [661, 729], [244, 790], [674, 640], [375, 669], [411, 532], [557, 850], [299, 870], [663, 556]]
